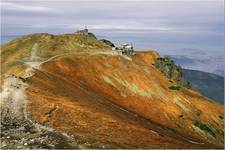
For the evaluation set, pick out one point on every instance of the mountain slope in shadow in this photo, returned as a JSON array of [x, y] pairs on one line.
[[210, 85]]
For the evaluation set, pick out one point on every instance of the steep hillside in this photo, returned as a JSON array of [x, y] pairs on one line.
[[210, 85], [111, 100], [15, 54]]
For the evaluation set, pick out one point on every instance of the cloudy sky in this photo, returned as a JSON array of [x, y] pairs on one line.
[[161, 15], [170, 26]]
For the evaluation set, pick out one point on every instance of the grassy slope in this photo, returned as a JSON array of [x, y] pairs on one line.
[[208, 84], [14, 53], [92, 83]]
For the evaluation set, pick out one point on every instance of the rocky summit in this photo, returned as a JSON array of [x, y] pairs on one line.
[[72, 91]]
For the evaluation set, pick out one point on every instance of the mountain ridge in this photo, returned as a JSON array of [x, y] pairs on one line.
[[15, 52], [108, 100]]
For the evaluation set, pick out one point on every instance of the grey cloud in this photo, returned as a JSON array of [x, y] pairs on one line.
[[18, 7], [117, 14]]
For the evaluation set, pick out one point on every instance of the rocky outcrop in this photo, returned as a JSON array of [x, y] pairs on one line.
[[27, 135], [172, 71], [107, 42]]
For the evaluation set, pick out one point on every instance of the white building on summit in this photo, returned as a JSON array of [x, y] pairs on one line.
[[83, 31], [124, 49]]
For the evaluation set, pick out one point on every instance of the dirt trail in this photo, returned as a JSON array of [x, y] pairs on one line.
[[34, 50], [15, 118], [17, 130], [13, 95]]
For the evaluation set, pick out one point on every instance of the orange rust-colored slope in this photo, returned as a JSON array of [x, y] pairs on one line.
[[115, 101]]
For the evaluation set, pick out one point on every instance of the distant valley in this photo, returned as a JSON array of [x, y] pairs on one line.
[[210, 85]]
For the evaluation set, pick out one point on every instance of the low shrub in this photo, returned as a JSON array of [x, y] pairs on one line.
[[162, 59], [168, 64], [204, 127], [174, 87]]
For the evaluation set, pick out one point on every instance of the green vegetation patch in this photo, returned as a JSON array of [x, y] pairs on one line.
[[174, 87], [168, 64], [204, 127], [162, 59]]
